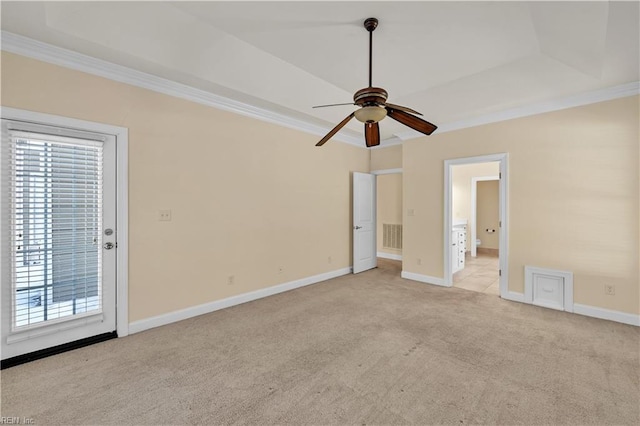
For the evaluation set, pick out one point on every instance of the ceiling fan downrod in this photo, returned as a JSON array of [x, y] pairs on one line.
[[370, 24]]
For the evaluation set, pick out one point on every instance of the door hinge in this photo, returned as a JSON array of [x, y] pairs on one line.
[[499, 272], [500, 175], [500, 224]]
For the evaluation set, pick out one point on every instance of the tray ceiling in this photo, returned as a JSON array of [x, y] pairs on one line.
[[453, 61]]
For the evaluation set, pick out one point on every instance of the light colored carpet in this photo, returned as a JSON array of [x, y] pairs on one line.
[[365, 349]]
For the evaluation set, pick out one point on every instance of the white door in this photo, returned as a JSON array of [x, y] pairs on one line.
[[58, 236], [364, 222]]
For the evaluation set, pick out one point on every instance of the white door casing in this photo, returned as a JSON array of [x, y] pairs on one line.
[[16, 340], [364, 222]]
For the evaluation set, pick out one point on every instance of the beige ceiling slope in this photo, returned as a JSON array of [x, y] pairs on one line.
[[460, 63]]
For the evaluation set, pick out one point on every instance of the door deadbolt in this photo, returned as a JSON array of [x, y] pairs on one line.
[[108, 246]]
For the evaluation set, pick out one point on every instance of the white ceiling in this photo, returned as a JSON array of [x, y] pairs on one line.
[[453, 61]]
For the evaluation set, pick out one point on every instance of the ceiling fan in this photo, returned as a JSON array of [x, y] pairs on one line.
[[374, 107]]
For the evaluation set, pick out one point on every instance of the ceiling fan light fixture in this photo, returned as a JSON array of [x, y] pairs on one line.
[[370, 114]]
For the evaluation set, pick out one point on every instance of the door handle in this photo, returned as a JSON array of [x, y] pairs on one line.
[[108, 246], [357, 227]]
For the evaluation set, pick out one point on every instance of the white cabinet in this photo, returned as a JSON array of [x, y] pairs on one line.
[[458, 247]]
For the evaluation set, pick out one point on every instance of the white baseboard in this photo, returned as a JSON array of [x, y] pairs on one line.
[[586, 310], [514, 297], [424, 278], [171, 317], [389, 256], [607, 314]]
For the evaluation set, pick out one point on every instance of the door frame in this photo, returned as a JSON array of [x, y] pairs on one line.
[[503, 159], [122, 196], [474, 210]]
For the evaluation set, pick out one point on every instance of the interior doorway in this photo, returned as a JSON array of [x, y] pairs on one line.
[[479, 269], [389, 222], [475, 224]]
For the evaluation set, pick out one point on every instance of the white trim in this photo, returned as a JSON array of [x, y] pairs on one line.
[[424, 279], [388, 142], [122, 220], [586, 310], [122, 208], [386, 171], [503, 159], [606, 314], [175, 316], [67, 58], [474, 212], [567, 285], [586, 98], [71, 123], [391, 256], [39, 332], [513, 296], [503, 248], [448, 221]]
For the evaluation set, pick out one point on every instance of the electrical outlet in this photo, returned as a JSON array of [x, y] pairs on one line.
[[231, 279], [164, 215], [281, 269], [329, 260], [419, 261], [609, 289]]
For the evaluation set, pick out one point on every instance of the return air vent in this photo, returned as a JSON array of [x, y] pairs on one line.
[[391, 236]]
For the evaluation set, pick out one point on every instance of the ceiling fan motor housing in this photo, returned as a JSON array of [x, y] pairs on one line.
[[370, 96]]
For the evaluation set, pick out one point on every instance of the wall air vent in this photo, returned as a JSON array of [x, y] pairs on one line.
[[391, 236]]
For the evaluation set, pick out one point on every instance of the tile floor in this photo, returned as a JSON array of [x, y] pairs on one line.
[[479, 274]]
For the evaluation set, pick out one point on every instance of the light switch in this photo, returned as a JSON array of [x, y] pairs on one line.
[[164, 215], [411, 212]]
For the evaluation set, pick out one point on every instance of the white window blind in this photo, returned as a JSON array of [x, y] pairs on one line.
[[55, 225]]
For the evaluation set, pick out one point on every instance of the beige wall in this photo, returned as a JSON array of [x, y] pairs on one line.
[[488, 213], [386, 158], [389, 200], [243, 192], [461, 190], [247, 197], [573, 197]]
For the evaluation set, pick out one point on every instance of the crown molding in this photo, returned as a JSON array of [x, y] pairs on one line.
[[45, 52], [592, 97], [388, 142]]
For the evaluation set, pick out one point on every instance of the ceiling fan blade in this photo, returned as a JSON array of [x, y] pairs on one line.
[[371, 134], [335, 130], [401, 108], [409, 120], [330, 105]]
